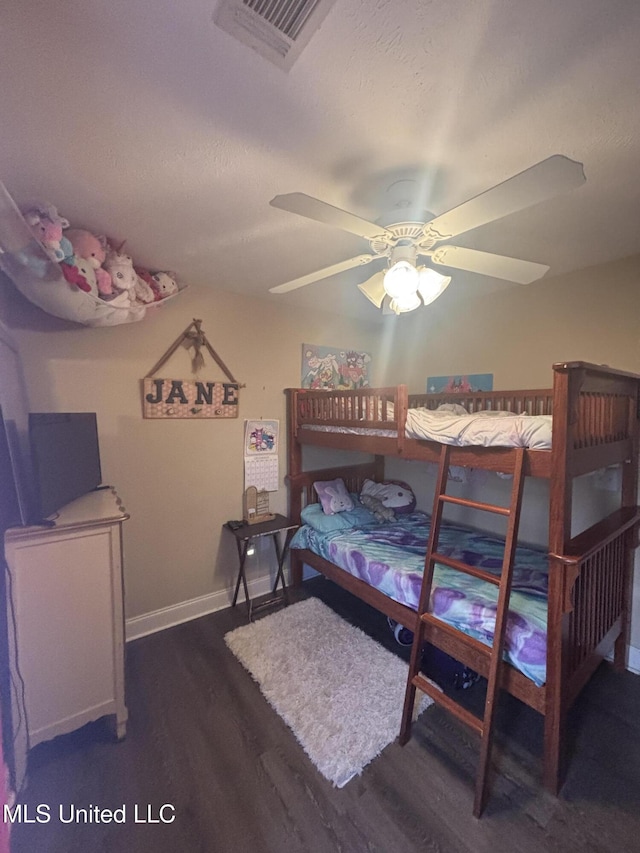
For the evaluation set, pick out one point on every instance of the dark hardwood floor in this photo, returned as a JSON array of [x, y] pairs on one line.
[[202, 739]]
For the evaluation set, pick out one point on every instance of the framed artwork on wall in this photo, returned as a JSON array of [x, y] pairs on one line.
[[334, 369], [460, 384]]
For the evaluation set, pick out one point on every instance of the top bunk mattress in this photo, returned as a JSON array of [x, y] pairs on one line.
[[452, 424]]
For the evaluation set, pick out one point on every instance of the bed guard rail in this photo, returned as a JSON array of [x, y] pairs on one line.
[[368, 408], [538, 401]]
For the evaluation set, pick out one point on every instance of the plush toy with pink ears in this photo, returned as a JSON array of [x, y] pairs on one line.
[[92, 249], [47, 225]]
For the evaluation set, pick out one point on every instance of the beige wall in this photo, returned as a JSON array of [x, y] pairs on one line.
[[179, 480]]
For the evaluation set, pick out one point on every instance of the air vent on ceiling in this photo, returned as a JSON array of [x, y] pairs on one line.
[[276, 29]]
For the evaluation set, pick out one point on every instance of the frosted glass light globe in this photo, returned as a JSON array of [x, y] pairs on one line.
[[402, 304], [401, 280], [431, 284]]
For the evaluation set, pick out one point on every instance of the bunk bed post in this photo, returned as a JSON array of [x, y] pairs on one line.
[[401, 405], [629, 498], [566, 388], [378, 462], [294, 467], [294, 450]]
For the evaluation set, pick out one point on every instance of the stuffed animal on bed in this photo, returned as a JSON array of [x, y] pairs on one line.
[[386, 499], [379, 510]]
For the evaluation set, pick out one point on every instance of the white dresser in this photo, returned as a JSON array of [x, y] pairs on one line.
[[66, 621]]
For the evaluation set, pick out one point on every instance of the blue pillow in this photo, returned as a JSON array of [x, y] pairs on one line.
[[315, 517]]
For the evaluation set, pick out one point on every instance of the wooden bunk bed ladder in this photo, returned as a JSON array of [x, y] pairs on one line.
[[484, 725]]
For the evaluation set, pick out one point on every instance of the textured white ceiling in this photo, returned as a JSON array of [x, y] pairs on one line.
[[141, 119]]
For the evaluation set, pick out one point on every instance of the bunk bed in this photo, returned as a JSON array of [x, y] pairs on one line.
[[592, 411]]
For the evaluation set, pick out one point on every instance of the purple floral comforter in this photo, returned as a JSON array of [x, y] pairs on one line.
[[390, 557]]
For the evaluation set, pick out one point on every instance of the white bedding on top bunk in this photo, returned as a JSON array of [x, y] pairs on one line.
[[484, 429], [447, 425]]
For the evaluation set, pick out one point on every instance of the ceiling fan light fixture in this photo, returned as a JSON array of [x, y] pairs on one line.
[[431, 284], [374, 290], [406, 303], [401, 280]]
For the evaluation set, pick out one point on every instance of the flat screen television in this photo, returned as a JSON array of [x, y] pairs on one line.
[[16, 474], [66, 458], [14, 508]]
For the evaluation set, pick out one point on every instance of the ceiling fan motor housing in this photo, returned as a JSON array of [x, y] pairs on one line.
[[406, 253]]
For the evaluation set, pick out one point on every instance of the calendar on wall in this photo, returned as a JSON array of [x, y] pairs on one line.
[[261, 455]]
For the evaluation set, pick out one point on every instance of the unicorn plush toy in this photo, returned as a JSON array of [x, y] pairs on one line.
[[47, 225]]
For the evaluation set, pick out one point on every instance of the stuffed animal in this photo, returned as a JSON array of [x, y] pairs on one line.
[[145, 294], [66, 250], [394, 495], [92, 249], [82, 274], [147, 288], [376, 506], [125, 279], [73, 275], [166, 283], [123, 276], [46, 225]]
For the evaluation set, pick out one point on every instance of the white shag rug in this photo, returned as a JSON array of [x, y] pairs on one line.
[[339, 691]]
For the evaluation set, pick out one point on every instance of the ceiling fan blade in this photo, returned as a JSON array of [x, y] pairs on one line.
[[313, 208], [486, 263], [343, 266], [550, 177], [373, 288]]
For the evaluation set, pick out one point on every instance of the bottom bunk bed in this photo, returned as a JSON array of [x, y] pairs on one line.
[[389, 557], [566, 612]]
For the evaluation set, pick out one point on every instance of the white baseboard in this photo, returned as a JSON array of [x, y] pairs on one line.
[[176, 614], [633, 661]]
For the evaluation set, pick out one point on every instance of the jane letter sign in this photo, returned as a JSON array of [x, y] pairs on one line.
[[180, 398], [183, 398]]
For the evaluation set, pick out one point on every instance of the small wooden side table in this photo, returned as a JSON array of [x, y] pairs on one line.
[[244, 534]]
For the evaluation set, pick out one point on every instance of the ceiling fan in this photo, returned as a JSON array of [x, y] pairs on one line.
[[406, 284]]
